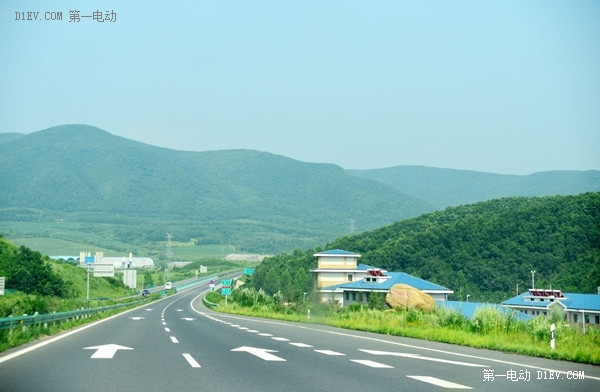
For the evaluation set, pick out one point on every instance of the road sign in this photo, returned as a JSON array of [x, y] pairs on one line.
[[226, 291], [248, 271], [226, 283]]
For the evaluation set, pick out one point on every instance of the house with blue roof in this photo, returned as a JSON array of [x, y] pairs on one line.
[[468, 309], [578, 308], [340, 277]]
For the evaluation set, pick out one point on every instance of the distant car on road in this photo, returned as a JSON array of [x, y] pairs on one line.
[[145, 293], [168, 286]]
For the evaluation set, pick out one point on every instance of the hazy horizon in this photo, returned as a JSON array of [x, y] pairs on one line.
[[500, 87]]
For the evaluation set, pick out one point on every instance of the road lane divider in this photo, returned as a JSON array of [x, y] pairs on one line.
[[191, 360]]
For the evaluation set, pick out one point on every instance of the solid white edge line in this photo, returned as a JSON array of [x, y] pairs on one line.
[[439, 382], [191, 360]]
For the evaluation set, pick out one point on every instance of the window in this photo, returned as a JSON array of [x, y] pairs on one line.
[[597, 319], [349, 277], [574, 317], [347, 296], [353, 296]]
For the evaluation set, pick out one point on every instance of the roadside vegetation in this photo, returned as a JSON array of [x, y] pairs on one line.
[[35, 284], [488, 329]]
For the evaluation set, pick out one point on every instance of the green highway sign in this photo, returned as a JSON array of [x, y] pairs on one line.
[[226, 283], [249, 271], [226, 291]]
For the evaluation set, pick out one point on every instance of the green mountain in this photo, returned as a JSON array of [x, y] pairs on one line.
[[484, 250], [6, 137], [448, 187], [132, 192]]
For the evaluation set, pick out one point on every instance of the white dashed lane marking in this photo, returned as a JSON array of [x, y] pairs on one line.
[[439, 382], [300, 344], [191, 361], [329, 352], [372, 364]]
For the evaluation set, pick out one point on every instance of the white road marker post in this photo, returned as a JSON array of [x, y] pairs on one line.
[[552, 339]]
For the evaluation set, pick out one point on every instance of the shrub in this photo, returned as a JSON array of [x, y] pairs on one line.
[[539, 328], [451, 318], [487, 319], [214, 297]]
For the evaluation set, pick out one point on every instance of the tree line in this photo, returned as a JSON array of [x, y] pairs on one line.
[[486, 250]]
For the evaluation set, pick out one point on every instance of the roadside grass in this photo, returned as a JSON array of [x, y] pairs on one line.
[[489, 329]]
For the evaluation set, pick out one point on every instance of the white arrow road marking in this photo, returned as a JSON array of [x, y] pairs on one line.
[[106, 351], [439, 382], [137, 318], [417, 356], [191, 361], [188, 318], [372, 364], [261, 353]]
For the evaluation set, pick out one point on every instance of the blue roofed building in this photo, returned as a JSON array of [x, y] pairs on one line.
[[340, 277], [468, 309], [578, 308]]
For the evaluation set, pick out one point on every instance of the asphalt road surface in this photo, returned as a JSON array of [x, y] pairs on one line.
[[177, 344]]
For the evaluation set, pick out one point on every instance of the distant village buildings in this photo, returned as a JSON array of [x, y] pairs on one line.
[[341, 278], [578, 308], [102, 266]]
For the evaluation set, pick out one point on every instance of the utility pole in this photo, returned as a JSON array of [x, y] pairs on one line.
[[169, 253], [87, 295], [533, 279]]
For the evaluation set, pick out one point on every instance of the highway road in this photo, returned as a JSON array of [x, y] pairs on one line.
[[177, 344]]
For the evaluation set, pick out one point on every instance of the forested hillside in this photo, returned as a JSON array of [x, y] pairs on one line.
[[484, 249], [132, 192], [26, 270], [449, 187]]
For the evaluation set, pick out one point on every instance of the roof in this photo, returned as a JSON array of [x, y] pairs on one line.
[[572, 301], [468, 309], [394, 278], [359, 267], [337, 252]]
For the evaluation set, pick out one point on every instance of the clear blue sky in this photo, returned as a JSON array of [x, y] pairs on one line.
[[496, 86]]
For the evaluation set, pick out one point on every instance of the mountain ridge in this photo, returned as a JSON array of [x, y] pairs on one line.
[[76, 172]]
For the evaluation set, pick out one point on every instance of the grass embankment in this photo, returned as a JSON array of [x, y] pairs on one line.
[[489, 328]]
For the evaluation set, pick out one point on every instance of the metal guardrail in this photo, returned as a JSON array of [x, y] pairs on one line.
[[209, 304], [23, 321], [189, 282]]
